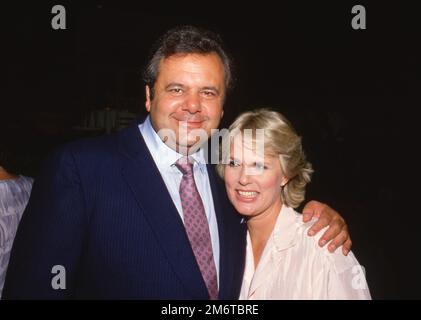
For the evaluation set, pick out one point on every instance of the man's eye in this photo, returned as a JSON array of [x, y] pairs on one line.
[[233, 163], [209, 93], [176, 90]]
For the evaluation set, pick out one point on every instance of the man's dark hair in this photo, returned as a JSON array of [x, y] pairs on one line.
[[185, 40]]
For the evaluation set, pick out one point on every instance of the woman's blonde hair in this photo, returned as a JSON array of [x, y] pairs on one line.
[[280, 139]]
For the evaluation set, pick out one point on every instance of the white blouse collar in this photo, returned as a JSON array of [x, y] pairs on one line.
[[285, 231]]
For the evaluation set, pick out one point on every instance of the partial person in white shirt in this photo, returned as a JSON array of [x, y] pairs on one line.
[[14, 195], [265, 177]]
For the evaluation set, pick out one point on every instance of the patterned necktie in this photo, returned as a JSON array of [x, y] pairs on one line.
[[197, 227]]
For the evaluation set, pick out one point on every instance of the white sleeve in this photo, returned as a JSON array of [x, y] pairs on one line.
[[347, 283]]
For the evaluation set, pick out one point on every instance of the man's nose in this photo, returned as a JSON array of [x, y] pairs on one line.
[[192, 103]]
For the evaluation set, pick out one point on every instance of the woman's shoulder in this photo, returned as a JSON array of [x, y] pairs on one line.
[[310, 244]]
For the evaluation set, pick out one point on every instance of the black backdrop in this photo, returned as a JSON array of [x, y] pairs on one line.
[[352, 95]]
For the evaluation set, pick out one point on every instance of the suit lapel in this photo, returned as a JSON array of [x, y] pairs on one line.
[[145, 181]]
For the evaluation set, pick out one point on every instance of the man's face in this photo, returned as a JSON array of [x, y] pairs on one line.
[[188, 97]]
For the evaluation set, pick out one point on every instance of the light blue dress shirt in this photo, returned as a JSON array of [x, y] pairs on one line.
[[165, 159]]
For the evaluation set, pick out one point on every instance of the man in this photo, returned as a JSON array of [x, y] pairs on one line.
[[127, 216]]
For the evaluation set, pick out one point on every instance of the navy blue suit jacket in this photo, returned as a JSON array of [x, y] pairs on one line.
[[101, 210]]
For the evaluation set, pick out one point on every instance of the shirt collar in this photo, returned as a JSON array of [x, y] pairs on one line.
[[285, 231], [163, 155]]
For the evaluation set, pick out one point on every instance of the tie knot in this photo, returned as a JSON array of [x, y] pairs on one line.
[[184, 165]]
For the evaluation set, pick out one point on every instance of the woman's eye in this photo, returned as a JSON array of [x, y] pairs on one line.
[[260, 166], [233, 163]]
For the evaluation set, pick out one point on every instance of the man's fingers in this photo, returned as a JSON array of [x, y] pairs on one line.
[[330, 234], [347, 247], [338, 241], [312, 209], [308, 212], [318, 225], [307, 216]]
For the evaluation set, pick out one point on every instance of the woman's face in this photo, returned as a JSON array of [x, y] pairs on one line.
[[253, 181]]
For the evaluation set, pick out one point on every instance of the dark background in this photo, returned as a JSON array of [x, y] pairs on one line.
[[352, 95]]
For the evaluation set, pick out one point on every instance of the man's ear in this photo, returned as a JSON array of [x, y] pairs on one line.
[[148, 98], [222, 113]]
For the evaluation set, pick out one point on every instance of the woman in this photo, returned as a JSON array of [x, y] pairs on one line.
[[282, 261], [14, 195]]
